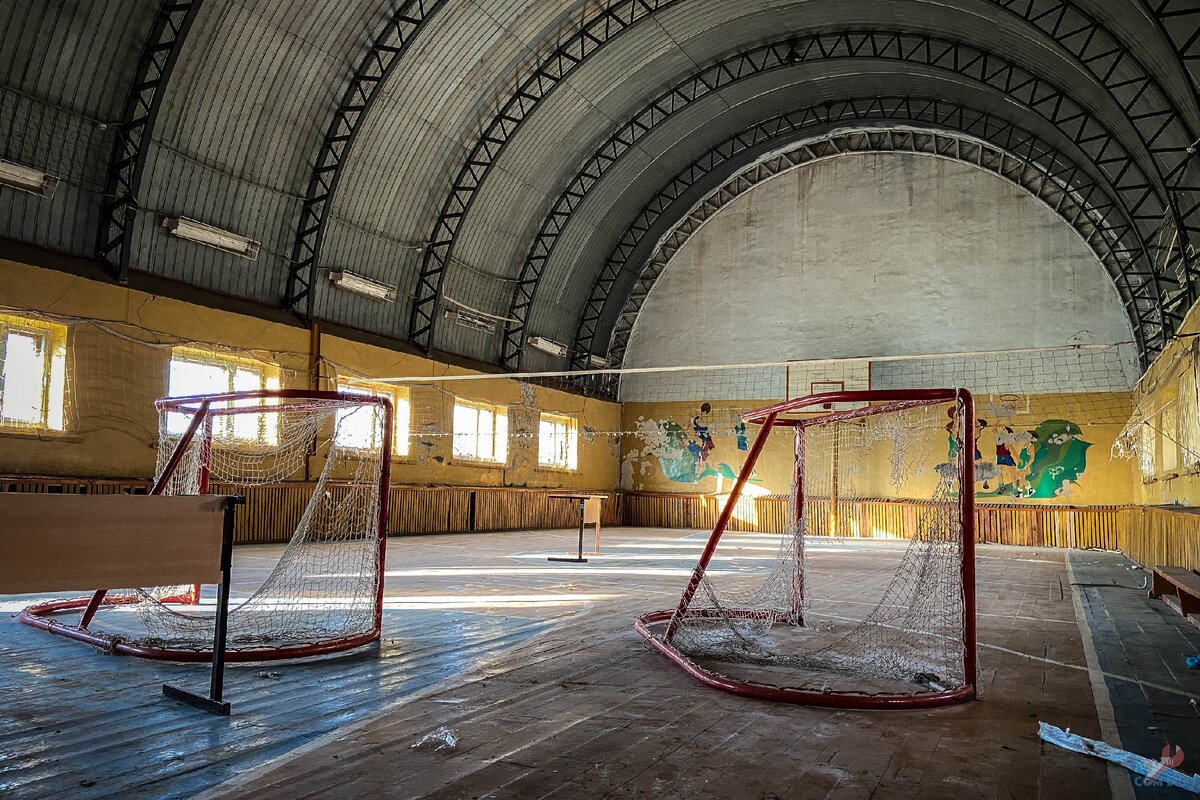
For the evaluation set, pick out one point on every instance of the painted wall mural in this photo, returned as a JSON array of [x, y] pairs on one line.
[[1027, 457], [1045, 462], [689, 455]]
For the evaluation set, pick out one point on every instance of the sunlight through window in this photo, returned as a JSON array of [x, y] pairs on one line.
[[196, 372], [558, 441], [480, 432], [360, 428], [32, 373]]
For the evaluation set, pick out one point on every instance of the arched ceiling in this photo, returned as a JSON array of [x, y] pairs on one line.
[[647, 247], [487, 156], [788, 221]]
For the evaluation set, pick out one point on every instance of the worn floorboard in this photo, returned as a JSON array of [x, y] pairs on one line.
[[597, 715], [536, 669]]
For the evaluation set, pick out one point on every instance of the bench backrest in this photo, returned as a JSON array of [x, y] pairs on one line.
[[55, 543]]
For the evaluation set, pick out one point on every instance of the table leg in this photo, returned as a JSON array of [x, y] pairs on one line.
[[581, 515], [578, 559]]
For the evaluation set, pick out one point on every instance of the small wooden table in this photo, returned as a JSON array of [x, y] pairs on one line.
[[589, 512]]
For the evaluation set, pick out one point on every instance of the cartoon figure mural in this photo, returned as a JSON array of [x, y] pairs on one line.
[[1006, 440], [1050, 461], [704, 443], [985, 471], [686, 458], [683, 460], [1041, 463]]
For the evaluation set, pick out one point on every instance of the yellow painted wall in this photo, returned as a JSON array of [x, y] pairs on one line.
[[117, 369], [655, 462], [114, 383], [431, 460], [1168, 410]]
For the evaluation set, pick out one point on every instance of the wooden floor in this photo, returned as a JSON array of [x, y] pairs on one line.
[[537, 671]]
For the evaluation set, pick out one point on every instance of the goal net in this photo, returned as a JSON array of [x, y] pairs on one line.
[[900, 635], [324, 593]]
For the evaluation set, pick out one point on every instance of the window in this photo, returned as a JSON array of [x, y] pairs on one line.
[[357, 428], [480, 432], [1148, 449], [196, 372], [1189, 420], [33, 373], [558, 442], [1166, 428]]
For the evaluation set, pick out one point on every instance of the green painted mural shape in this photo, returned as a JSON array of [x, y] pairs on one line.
[[1059, 458]]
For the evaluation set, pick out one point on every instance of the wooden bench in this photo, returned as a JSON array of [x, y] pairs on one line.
[[1179, 588], [56, 543]]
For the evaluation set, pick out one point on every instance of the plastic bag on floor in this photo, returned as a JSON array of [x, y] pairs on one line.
[[442, 737]]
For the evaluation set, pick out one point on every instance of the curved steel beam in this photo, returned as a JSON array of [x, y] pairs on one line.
[[386, 51], [1159, 123], [599, 29], [127, 163], [1145, 197], [1126, 257], [1179, 22], [1148, 107], [1048, 177]]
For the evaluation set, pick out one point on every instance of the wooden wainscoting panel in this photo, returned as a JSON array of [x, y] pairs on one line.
[[1027, 525], [1148, 535], [1156, 536], [30, 484]]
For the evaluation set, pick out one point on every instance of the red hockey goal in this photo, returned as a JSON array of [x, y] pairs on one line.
[[902, 636], [325, 594]]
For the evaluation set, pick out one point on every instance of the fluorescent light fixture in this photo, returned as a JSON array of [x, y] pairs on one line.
[[471, 320], [598, 362], [27, 179], [548, 345], [200, 233], [361, 284]]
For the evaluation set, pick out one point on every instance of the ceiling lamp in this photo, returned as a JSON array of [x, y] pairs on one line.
[[469, 319], [361, 284], [548, 346], [200, 233], [27, 179]]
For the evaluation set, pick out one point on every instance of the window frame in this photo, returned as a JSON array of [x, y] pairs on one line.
[[53, 412], [570, 425], [497, 411], [269, 380], [1167, 437], [401, 423]]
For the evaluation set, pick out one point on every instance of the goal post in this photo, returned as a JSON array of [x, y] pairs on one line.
[[325, 594], [773, 636]]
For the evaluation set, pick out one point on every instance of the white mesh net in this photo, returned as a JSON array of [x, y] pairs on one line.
[[1162, 434], [324, 587], [909, 636]]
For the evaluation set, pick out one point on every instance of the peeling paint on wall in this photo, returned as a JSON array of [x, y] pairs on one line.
[[684, 456]]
